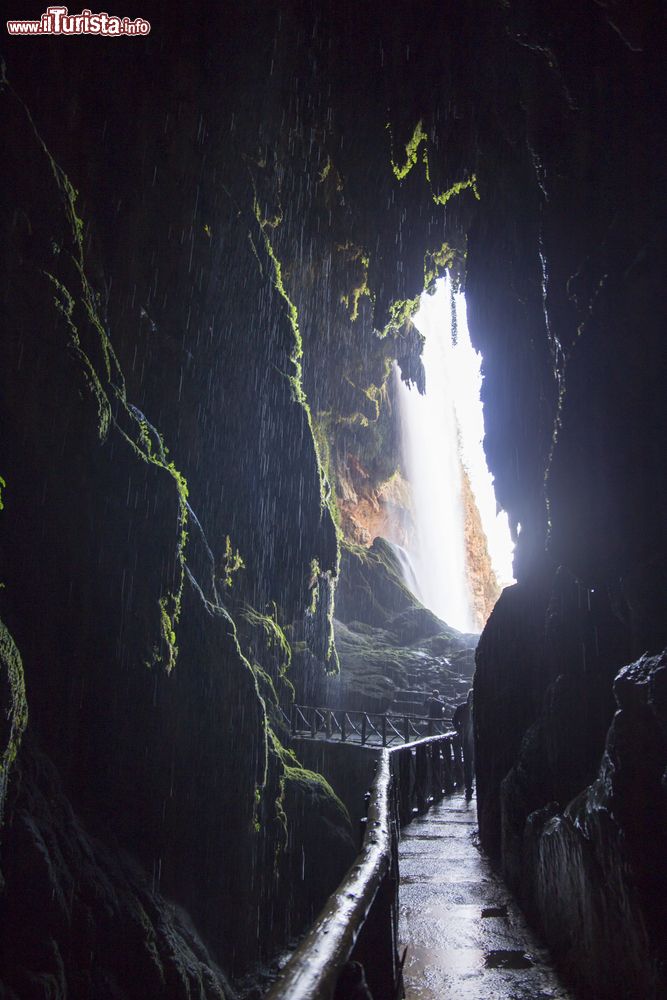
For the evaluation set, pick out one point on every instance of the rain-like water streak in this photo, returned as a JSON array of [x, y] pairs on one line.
[[430, 441]]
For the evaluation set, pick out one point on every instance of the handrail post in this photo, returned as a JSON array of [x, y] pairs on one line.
[[293, 720], [327, 724], [313, 729], [458, 761], [437, 770], [364, 720], [343, 727], [406, 729], [447, 763], [421, 778], [383, 727]]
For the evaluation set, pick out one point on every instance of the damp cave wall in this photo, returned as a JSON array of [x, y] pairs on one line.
[[564, 297], [257, 136]]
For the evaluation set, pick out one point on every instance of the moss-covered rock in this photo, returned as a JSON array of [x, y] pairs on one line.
[[371, 587], [104, 927], [389, 643]]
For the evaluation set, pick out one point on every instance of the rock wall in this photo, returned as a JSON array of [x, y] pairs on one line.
[[388, 643], [484, 587], [148, 523], [564, 301], [597, 871], [369, 511]]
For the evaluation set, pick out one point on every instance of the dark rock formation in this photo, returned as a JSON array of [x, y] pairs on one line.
[[597, 872], [80, 916], [388, 642], [579, 263]]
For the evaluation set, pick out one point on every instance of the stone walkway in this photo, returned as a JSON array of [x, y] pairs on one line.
[[466, 938]]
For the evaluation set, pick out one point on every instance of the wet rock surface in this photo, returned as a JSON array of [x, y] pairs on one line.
[[389, 645], [575, 811], [466, 937], [598, 871], [82, 918]]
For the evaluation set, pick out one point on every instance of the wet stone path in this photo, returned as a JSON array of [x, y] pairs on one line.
[[466, 938]]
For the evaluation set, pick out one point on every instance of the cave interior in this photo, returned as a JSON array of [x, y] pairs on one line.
[[214, 239]]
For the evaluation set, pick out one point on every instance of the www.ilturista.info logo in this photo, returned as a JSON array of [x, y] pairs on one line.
[[58, 21]]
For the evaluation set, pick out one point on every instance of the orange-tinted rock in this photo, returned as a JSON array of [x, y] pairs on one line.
[[484, 587], [368, 510]]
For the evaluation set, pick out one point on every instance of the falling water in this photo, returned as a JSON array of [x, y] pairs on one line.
[[430, 440], [407, 569]]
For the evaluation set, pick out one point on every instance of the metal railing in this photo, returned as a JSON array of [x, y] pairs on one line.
[[359, 922], [367, 728]]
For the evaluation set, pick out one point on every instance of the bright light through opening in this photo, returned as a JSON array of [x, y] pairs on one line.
[[442, 431], [432, 320]]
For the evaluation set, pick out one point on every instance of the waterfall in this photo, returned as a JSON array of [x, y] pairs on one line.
[[432, 460], [407, 569]]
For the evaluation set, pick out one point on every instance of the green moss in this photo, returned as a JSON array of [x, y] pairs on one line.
[[269, 655], [65, 304], [411, 152], [297, 351], [325, 588], [295, 377], [78, 304], [257, 801], [308, 783], [443, 197], [320, 619], [272, 221], [321, 434], [400, 312], [313, 782], [330, 175], [284, 758], [418, 137], [10, 660], [457, 188], [371, 588], [232, 562], [273, 634], [266, 686], [169, 613], [351, 300], [436, 262]]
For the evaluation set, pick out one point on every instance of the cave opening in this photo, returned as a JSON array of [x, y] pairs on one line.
[[460, 548]]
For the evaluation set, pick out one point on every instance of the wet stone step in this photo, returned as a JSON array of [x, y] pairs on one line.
[[463, 893], [448, 831], [498, 943], [453, 863]]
